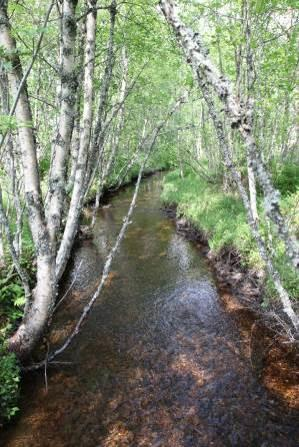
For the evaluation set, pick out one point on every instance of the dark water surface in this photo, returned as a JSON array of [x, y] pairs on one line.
[[159, 363]]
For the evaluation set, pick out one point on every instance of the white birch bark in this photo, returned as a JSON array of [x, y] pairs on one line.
[[100, 128], [80, 176], [75, 144], [11, 164], [252, 190], [44, 293], [250, 104], [240, 118], [67, 103], [105, 171]]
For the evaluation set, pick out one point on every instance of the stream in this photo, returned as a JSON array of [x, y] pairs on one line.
[[158, 363]]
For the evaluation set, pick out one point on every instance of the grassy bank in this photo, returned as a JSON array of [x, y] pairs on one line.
[[221, 217]]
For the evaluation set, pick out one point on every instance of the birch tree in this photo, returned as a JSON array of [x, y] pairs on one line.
[[67, 104], [240, 118], [78, 190], [44, 293], [209, 79], [85, 114]]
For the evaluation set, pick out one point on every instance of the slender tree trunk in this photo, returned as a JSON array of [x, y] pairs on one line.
[[250, 103], [80, 177], [252, 190], [75, 144], [37, 314], [240, 119], [99, 131], [11, 164], [67, 103], [74, 150], [105, 171], [2, 256]]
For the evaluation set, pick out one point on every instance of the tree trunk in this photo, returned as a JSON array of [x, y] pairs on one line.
[[67, 105], [252, 191], [239, 116], [99, 132], [37, 314], [250, 102], [105, 171], [208, 77], [11, 164], [80, 177], [2, 257]]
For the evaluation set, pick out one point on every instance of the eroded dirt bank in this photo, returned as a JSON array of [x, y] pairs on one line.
[[160, 362]]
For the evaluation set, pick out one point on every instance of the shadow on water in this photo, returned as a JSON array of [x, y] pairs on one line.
[[159, 363]]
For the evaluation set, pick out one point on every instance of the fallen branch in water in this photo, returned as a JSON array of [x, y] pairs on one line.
[[69, 289], [96, 294], [114, 249]]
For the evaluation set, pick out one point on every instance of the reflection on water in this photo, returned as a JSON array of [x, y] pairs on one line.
[[159, 363]]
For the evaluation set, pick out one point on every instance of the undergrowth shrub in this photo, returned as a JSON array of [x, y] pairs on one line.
[[9, 385], [285, 177], [11, 310]]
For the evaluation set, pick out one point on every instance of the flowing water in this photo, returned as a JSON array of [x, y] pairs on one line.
[[158, 363]]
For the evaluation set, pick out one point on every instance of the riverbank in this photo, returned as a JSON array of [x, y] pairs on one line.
[[241, 290], [220, 218], [12, 295], [159, 361], [241, 279], [113, 188]]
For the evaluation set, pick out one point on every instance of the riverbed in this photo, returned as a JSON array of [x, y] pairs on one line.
[[159, 363]]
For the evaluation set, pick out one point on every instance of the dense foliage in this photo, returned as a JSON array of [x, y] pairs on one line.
[[139, 70], [9, 386]]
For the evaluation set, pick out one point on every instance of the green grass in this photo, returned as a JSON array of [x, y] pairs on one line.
[[221, 217]]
